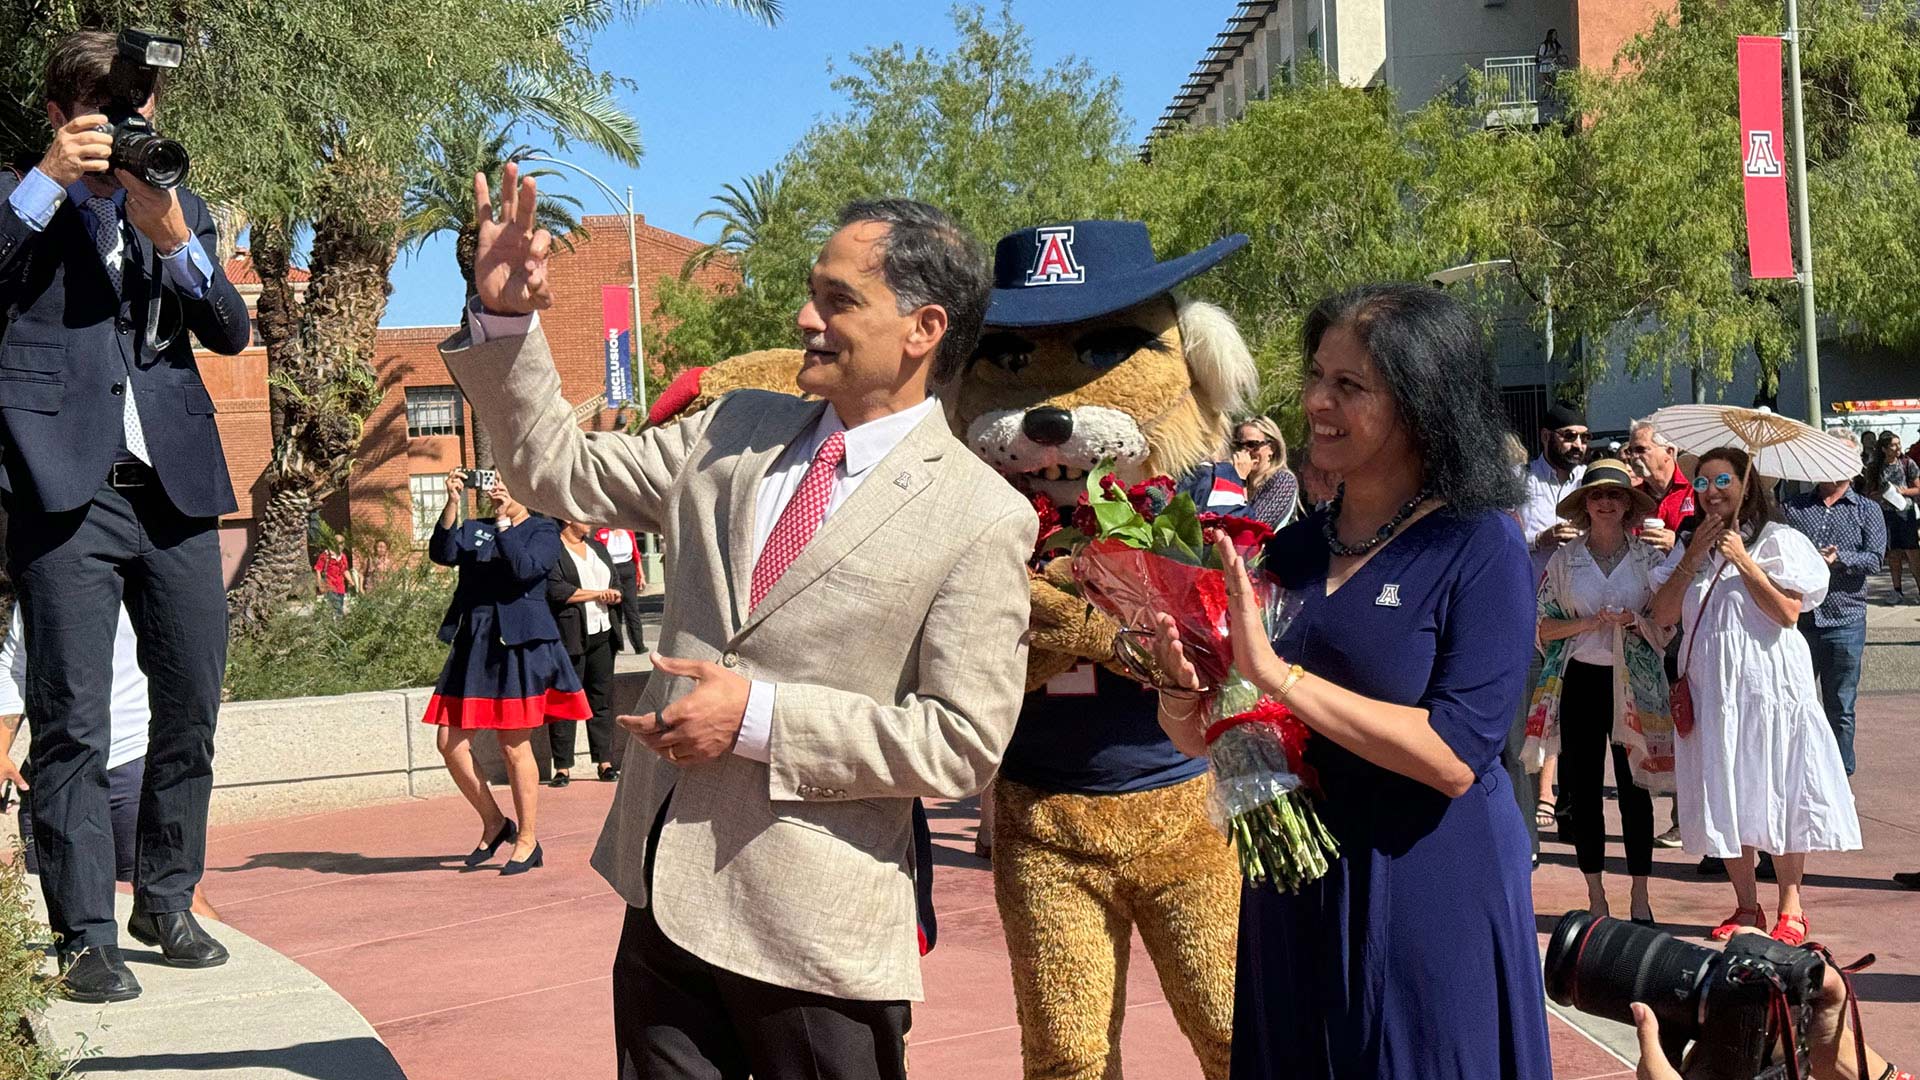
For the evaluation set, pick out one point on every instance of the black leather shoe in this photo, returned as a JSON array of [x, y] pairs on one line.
[[560, 779], [179, 936], [96, 974], [524, 865], [509, 832]]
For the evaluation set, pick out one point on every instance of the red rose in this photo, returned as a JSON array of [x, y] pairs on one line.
[[1049, 520], [1245, 534]]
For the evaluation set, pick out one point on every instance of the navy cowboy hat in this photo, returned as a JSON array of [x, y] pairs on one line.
[[1078, 270]]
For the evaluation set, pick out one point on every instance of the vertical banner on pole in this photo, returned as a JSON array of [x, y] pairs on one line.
[[1763, 153], [616, 316]]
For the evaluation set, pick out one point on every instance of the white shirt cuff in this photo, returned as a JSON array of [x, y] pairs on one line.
[[484, 326], [756, 726]]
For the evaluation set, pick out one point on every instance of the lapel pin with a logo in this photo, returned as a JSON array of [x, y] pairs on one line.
[[903, 481], [1389, 596]]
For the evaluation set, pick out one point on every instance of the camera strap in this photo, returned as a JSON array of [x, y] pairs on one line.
[[1853, 999]]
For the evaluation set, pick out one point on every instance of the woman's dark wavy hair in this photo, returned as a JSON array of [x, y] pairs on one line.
[[1435, 362], [1756, 501]]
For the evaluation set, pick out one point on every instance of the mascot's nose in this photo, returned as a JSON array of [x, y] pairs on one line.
[[1047, 426]]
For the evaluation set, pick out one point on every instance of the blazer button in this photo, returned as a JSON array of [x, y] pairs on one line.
[[123, 326], [118, 389], [730, 660]]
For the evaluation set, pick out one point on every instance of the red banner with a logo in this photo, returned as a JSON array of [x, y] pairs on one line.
[[1763, 154], [616, 322]]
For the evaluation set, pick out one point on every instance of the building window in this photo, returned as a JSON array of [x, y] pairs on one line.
[[427, 492], [1276, 59], [1313, 43], [433, 410]]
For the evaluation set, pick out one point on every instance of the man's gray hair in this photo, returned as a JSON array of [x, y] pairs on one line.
[[927, 258], [1648, 425]]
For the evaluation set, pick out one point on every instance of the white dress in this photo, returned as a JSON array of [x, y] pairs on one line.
[[1761, 767]]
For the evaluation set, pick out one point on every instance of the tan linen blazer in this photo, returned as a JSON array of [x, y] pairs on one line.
[[895, 640]]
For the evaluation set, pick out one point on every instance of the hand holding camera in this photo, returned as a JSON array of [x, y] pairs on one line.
[[155, 212], [81, 147]]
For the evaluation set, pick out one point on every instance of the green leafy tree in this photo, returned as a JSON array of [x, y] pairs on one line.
[[981, 130], [1649, 231]]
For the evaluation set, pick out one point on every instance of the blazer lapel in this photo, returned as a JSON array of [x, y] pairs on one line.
[[892, 483], [749, 469]]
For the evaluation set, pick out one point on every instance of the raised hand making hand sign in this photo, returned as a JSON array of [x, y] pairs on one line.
[[510, 256]]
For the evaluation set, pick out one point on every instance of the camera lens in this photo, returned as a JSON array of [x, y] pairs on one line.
[[155, 159], [1601, 966]]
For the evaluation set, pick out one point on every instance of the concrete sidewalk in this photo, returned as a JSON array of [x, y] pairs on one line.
[[259, 1016]]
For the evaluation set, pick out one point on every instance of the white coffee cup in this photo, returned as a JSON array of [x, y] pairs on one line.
[[1652, 523]]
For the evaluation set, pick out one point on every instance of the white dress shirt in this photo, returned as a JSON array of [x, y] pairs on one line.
[[1540, 511], [128, 711], [866, 445], [595, 576]]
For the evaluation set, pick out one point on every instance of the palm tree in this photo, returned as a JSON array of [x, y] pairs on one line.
[[440, 197], [743, 214]]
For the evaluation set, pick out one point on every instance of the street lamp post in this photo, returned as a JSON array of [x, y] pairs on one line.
[[633, 264]]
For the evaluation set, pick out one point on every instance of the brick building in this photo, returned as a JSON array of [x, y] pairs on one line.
[[421, 428]]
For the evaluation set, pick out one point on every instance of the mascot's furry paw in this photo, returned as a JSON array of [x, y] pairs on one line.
[[1063, 630]]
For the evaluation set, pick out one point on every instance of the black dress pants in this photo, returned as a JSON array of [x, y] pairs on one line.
[[677, 1017], [72, 570], [1586, 733], [595, 668], [626, 578]]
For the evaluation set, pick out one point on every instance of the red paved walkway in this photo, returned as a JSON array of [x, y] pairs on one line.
[[469, 976]]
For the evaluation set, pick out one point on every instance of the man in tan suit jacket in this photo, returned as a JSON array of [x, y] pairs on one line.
[[760, 834]]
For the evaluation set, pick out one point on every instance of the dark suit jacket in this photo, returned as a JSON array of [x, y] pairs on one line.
[[64, 355], [503, 575], [563, 581]]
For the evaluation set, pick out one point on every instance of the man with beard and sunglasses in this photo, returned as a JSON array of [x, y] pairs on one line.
[[1551, 477]]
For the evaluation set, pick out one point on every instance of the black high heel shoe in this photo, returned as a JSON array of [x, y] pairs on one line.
[[521, 867], [509, 832]]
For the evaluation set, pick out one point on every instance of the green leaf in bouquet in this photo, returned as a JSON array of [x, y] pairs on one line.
[[1117, 514], [1184, 519]]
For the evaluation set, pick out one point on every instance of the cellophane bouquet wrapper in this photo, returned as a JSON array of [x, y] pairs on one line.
[[1263, 791]]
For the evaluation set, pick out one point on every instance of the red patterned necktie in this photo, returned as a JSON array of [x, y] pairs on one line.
[[802, 517]]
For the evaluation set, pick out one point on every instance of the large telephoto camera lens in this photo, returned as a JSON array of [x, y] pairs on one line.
[[1601, 966], [159, 161]]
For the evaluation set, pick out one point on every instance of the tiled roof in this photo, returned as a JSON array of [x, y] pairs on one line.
[[239, 270]]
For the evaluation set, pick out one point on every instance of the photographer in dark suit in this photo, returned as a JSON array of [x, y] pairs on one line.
[[114, 478]]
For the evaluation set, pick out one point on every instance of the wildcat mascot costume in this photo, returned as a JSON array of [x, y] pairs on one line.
[[1100, 825]]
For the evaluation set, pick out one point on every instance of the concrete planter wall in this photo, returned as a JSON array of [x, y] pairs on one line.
[[306, 755]]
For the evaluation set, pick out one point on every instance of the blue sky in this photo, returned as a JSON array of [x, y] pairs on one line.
[[719, 97]]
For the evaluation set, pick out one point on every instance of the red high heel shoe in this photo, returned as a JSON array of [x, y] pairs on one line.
[[1791, 929], [1739, 919]]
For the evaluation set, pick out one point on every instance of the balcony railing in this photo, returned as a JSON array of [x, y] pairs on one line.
[[1512, 91]]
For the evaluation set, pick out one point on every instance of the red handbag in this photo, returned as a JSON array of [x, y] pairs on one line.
[[1680, 694]]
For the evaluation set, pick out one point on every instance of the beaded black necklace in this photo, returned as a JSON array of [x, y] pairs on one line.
[[1329, 527]]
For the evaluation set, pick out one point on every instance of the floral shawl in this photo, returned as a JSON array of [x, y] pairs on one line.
[[1642, 721]]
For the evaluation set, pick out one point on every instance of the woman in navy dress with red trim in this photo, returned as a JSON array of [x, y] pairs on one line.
[[1415, 957], [507, 671]]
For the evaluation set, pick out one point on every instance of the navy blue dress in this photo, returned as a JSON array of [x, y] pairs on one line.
[[507, 668], [1416, 957]]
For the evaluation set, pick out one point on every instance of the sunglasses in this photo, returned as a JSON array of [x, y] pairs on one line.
[[1609, 494], [1573, 436], [1720, 483], [1251, 445]]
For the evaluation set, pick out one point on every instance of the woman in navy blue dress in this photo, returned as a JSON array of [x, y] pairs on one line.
[[1416, 956], [507, 671]]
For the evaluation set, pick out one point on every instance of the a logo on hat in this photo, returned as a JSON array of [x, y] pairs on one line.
[[1054, 264]]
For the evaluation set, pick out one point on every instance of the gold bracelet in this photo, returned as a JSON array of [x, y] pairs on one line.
[[1294, 675]]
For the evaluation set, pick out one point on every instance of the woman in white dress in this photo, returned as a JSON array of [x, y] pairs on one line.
[[1760, 770]]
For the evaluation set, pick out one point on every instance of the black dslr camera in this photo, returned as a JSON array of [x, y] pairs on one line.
[[137, 148], [1729, 1003]]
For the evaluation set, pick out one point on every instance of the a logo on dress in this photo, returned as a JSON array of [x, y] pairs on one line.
[[483, 534], [1054, 264], [1389, 596], [1761, 159], [903, 481]]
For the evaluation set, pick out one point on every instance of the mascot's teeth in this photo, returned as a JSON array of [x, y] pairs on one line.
[[1072, 474]]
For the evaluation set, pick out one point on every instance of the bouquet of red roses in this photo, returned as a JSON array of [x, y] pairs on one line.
[[1145, 552]]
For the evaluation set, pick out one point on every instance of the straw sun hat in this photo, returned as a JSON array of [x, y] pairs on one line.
[[1606, 472]]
